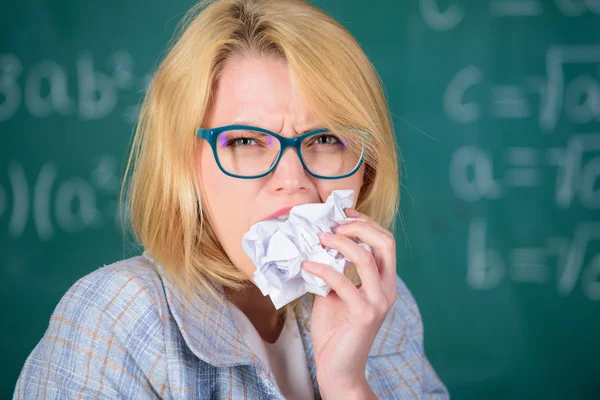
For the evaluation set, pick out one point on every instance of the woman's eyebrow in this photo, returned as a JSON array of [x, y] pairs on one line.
[[312, 127]]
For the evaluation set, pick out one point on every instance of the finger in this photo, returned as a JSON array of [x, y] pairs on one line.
[[352, 213], [337, 282], [363, 260], [383, 247]]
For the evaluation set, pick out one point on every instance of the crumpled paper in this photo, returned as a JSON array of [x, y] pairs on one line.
[[278, 248]]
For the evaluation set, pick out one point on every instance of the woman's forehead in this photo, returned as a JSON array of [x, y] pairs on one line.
[[260, 92], [255, 81]]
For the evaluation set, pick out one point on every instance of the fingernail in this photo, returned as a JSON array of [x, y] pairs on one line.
[[324, 235], [307, 264], [351, 212]]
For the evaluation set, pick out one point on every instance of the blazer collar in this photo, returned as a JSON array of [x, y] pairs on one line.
[[212, 335]]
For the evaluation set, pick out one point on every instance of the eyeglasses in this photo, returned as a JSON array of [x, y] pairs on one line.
[[248, 152]]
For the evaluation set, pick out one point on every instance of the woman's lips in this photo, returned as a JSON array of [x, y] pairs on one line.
[[279, 212]]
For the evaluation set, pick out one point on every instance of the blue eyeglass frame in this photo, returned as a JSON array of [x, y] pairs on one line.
[[211, 135]]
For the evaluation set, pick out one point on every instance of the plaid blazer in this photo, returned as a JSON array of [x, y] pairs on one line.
[[124, 331]]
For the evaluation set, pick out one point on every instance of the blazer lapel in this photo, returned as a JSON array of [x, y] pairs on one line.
[[206, 326], [303, 321]]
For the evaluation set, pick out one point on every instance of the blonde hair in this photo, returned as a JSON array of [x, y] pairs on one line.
[[338, 83]]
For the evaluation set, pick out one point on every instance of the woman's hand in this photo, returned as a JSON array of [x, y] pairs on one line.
[[345, 323]]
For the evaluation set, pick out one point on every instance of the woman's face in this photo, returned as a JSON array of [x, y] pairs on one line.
[[259, 92]]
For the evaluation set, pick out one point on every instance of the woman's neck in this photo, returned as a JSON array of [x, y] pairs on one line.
[[260, 311]]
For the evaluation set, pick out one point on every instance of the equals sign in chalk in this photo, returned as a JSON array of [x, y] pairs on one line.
[[509, 102], [523, 170], [516, 8], [528, 265]]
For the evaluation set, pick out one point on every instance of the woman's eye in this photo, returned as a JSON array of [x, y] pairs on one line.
[[241, 141], [327, 139]]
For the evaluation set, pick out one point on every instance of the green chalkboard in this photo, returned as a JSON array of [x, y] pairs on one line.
[[497, 112]]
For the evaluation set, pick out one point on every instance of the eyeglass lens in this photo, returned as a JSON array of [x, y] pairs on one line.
[[250, 153]]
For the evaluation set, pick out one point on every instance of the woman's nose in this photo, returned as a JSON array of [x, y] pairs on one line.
[[289, 175]]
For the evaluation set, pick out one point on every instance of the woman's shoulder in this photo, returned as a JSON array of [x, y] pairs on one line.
[[406, 307], [106, 329], [123, 300], [138, 270], [125, 275], [124, 287], [402, 325], [398, 353]]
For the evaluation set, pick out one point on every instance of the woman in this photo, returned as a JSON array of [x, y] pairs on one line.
[[184, 319]]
